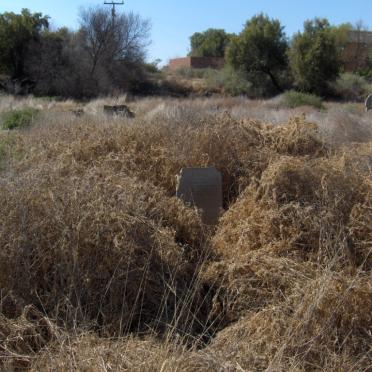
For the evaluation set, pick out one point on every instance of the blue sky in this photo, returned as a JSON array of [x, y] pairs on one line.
[[174, 21]]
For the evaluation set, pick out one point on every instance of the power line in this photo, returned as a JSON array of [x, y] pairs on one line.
[[113, 4]]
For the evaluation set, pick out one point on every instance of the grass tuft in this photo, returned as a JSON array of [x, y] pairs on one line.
[[18, 119], [294, 99]]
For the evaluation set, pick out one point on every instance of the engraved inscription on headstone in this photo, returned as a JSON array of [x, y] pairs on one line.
[[202, 188], [369, 102]]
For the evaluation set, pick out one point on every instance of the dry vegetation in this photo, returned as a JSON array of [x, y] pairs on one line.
[[103, 269]]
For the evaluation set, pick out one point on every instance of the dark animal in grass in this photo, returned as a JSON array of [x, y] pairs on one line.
[[119, 110]]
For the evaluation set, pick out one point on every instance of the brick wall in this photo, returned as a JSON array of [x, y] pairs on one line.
[[355, 55], [176, 63], [196, 62], [204, 62], [357, 50]]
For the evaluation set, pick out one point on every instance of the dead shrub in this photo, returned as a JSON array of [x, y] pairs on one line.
[[357, 158], [98, 249], [22, 338], [91, 353], [298, 208], [160, 150], [251, 283], [322, 325], [298, 137]]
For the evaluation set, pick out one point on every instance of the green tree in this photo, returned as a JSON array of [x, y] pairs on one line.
[[50, 66], [260, 50], [17, 31], [210, 43], [315, 57]]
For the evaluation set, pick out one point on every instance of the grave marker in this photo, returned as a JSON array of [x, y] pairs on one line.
[[120, 110], [202, 188], [369, 103]]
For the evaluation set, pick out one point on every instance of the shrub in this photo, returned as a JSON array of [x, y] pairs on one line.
[[229, 81], [127, 245], [352, 87], [294, 99], [297, 205], [261, 51], [192, 73], [314, 57], [19, 118], [210, 43]]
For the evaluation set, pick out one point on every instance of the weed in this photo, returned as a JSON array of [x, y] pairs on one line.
[[229, 81], [18, 119], [10, 148], [294, 99], [351, 87]]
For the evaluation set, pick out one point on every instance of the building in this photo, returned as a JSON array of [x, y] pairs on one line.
[[196, 62], [355, 55], [358, 50]]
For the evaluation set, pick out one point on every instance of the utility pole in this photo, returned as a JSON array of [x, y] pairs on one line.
[[113, 4]]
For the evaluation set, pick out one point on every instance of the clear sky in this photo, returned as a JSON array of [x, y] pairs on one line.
[[174, 21]]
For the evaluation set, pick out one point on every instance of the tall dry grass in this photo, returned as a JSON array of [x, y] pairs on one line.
[[102, 268]]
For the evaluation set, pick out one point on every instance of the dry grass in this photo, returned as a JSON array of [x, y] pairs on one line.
[[323, 326], [102, 268]]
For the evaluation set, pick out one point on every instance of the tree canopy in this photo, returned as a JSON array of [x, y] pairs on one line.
[[260, 50], [210, 43], [315, 57], [113, 49], [103, 55], [17, 31]]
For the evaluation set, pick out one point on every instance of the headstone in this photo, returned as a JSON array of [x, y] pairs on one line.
[[120, 110], [369, 102], [202, 188]]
